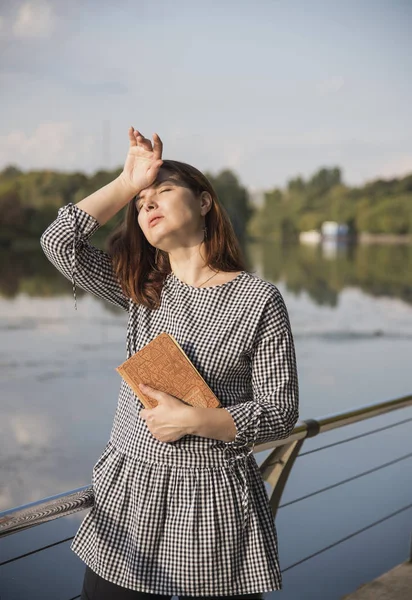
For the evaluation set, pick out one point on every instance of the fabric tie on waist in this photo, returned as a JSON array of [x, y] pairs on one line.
[[238, 463]]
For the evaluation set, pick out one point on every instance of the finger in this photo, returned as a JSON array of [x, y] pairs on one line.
[[157, 146], [153, 393], [149, 391], [142, 141], [132, 138]]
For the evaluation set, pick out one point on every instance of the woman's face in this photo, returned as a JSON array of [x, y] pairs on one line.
[[180, 213]]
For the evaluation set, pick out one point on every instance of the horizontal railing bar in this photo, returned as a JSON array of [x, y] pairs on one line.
[[45, 510], [343, 481], [347, 537], [353, 437], [334, 421]]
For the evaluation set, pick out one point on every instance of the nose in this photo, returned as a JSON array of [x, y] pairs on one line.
[[148, 204]]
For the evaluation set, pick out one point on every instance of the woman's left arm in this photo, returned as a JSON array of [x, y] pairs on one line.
[[274, 410]]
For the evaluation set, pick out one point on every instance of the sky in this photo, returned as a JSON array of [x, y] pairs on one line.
[[271, 89]]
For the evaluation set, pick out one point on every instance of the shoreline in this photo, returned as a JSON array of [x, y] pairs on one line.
[[384, 238]]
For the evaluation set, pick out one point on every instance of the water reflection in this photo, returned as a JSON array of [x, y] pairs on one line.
[[322, 271], [29, 273]]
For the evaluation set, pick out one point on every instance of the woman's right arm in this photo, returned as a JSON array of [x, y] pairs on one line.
[[65, 241], [66, 244], [106, 202]]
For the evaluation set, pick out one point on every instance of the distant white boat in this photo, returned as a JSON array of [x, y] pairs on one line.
[[333, 229], [310, 237]]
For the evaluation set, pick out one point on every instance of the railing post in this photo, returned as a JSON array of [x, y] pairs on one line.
[[276, 467]]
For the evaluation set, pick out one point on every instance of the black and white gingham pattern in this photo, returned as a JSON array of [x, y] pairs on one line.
[[190, 517], [65, 244]]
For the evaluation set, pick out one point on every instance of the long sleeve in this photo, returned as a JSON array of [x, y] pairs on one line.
[[274, 409], [65, 243]]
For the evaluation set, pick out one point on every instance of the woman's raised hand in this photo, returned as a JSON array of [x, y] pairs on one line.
[[143, 161]]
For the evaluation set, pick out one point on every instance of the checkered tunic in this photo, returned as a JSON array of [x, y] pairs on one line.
[[190, 517]]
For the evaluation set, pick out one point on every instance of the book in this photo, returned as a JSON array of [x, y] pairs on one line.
[[163, 365]]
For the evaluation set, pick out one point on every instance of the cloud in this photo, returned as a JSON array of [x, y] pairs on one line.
[[331, 85], [34, 19], [47, 140], [51, 145]]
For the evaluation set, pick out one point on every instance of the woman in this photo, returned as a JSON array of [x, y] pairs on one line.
[[180, 506]]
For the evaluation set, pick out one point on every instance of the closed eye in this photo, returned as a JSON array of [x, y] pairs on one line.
[[139, 204]]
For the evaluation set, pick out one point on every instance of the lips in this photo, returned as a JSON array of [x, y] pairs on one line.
[[154, 220]]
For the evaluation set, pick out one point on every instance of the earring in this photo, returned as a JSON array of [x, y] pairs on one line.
[[205, 231], [156, 255]]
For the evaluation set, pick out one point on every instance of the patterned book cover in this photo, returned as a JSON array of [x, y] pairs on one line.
[[163, 365]]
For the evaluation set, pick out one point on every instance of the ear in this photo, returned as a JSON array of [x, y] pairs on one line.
[[205, 202]]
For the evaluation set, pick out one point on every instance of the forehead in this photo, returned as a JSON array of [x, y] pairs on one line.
[[162, 177]]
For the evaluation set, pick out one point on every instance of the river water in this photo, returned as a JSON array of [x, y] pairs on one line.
[[351, 314]]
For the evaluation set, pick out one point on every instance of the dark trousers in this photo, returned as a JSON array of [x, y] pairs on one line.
[[97, 588]]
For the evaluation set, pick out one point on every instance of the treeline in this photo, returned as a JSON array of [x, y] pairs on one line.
[[381, 206], [29, 201]]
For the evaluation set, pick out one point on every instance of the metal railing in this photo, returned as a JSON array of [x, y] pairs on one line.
[[274, 469]]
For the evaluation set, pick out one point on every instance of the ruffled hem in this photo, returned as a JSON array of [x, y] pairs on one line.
[[159, 528]]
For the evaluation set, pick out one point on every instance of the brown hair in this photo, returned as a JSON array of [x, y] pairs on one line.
[[133, 258]]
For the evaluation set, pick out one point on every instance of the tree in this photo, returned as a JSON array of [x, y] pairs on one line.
[[296, 185], [10, 172], [322, 181], [12, 216], [235, 200]]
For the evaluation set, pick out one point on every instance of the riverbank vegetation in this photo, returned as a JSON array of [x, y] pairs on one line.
[[29, 202], [378, 207]]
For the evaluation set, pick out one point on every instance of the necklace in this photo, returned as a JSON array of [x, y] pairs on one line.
[[214, 274], [211, 277]]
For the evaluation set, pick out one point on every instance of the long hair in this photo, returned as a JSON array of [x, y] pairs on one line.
[[133, 257]]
